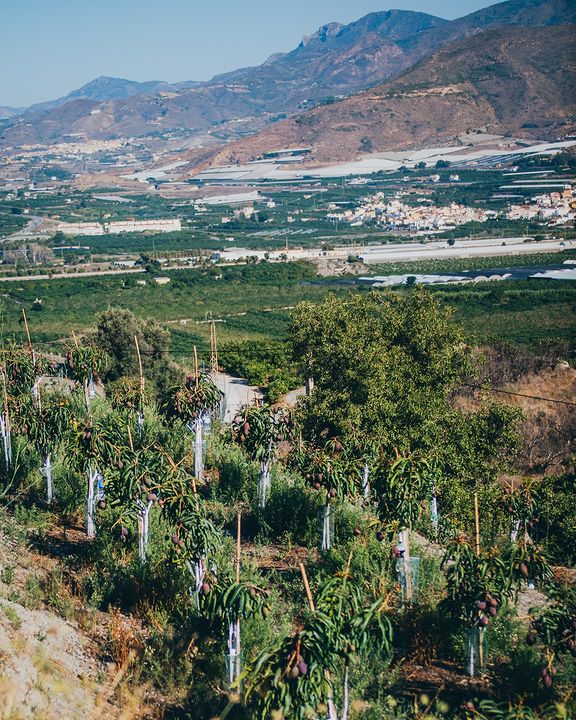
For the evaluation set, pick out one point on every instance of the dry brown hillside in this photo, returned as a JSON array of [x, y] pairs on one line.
[[512, 80]]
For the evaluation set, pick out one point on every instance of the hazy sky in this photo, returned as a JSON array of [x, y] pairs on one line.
[[50, 47]]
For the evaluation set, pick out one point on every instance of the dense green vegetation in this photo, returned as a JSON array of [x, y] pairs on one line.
[[301, 529], [254, 301]]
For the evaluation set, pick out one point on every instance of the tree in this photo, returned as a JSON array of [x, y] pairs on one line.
[[116, 329], [383, 368]]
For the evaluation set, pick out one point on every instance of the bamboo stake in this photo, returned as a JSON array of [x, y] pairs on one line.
[[130, 443], [74, 338], [477, 523], [140, 371], [29, 341], [307, 587], [196, 367], [238, 545]]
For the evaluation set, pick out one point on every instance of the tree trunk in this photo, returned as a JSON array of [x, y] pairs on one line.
[[6, 440], [196, 569], [143, 516], [264, 484], [366, 481], [345, 694], [434, 512], [91, 504], [234, 659], [198, 449], [47, 472], [327, 526]]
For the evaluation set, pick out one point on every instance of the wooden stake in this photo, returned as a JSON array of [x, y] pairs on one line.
[[238, 545], [196, 367], [29, 341], [74, 338], [130, 439], [140, 371], [307, 587], [477, 522], [195, 491]]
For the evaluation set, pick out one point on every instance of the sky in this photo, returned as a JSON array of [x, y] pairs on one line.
[[50, 47]]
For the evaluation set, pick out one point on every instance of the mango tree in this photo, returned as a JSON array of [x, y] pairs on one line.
[[259, 430], [478, 582], [20, 371], [88, 447], [553, 627], [401, 487], [134, 476], [84, 364], [295, 678], [521, 505], [329, 471], [46, 424], [193, 404]]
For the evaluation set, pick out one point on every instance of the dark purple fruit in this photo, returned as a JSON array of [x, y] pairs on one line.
[[320, 477], [120, 465], [174, 539], [493, 602], [152, 497], [337, 446], [524, 570], [493, 611], [294, 672], [205, 589], [481, 605], [379, 536], [332, 493], [181, 543], [548, 681], [124, 532], [317, 486], [302, 667], [484, 621], [469, 706], [246, 428], [357, 531]]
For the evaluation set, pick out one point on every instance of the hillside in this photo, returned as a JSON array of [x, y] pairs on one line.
[[512, 80], [337, 60]]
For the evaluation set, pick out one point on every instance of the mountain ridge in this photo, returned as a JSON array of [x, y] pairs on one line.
[[335, 61], [509, 79]]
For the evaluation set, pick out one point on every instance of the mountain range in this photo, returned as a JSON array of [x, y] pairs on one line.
[[334, 63], [516, 81]]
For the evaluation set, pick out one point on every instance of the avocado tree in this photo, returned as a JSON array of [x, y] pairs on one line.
[[259, 430], [295, 677]]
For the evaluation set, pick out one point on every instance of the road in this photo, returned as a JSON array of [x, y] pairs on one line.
[[70, 276]]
